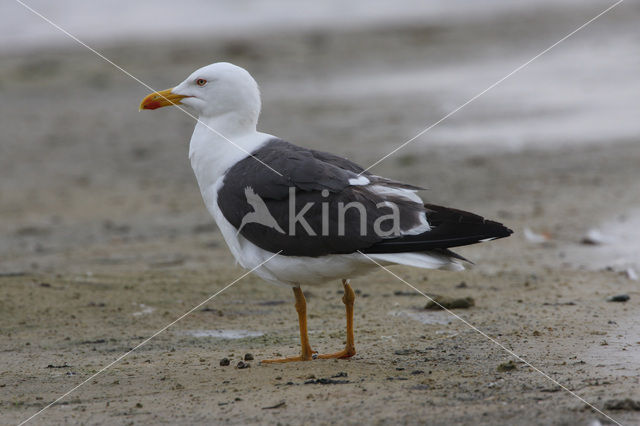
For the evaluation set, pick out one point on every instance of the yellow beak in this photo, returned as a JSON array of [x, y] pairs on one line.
[[161, 99]]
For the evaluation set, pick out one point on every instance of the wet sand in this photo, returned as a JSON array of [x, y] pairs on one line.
[[105, 240]]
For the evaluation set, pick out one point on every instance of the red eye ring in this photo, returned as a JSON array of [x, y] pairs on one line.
[[201, 82]]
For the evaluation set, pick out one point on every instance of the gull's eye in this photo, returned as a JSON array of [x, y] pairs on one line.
[[201, 82]]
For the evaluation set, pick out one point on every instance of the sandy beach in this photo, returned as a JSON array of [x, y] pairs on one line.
[[105, 239]]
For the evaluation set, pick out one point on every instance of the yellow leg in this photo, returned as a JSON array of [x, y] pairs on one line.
[[306, 353], [350, 348]]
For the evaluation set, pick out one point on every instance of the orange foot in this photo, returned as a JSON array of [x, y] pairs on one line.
[[347, 352]]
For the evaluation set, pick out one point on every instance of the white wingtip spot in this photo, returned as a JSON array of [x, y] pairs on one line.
[[359, 181], [487, 239]]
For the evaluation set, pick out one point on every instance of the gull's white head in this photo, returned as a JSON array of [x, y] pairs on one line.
[[220, 89]]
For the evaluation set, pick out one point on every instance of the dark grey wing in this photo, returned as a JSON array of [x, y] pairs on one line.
[[336, 160], [299, 167], [306, 204], [310, 202], [448, 227], [349, 165]]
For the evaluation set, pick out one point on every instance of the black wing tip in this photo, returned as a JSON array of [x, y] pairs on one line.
[[446, 215], [450, 228], [451, 254], [507, 232], [498, 230]]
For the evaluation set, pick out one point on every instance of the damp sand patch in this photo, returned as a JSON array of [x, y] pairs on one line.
[[224, 334]]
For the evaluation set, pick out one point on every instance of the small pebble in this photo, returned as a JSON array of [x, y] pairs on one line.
[[618, 298], [241, 365], [594, 237], [278, 405], [450, 303], [626, 404], [325, 381], [405, 293], [224, 362], [507, 366], [248, 357]]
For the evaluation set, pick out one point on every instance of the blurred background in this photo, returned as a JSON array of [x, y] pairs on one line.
[[104, 237]]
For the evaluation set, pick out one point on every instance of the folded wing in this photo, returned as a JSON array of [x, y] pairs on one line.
[[308, 202]]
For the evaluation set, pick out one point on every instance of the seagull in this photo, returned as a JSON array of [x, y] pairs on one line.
[[297, 216]]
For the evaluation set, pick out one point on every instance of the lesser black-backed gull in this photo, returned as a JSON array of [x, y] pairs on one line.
[[322, 213]]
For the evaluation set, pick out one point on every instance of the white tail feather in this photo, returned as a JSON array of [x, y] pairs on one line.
[[420, 260]]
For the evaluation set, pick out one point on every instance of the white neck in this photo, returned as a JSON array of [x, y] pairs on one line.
[[218, 143], [231, 124]]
